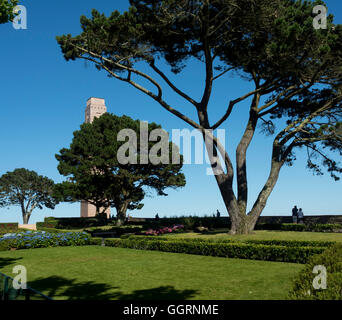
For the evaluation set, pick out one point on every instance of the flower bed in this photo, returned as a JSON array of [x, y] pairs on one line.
[[42, 239], [164, 230]]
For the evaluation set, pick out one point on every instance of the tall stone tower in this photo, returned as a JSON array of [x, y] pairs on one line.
[[95, 108]]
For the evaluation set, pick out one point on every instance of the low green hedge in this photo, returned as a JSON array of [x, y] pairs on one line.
[[230, 250], [303, 288], [286, 243], [318, 227]]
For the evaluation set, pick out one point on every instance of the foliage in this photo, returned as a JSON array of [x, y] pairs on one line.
[[303, 289], [41, 239], [284, 243], [218, 249], [294, 71], [318, 227], [97, 175], [71, 223], [28, 190], [8, 227], [165, 230], [6, 10]]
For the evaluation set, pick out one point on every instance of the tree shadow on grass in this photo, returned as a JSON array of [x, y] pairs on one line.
[[160, 293], [57, 287], [7, 261]]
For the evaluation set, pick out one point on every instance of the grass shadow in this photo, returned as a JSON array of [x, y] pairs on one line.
[[7, 261], [72, 289]]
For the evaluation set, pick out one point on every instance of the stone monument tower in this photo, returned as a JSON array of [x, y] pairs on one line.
[[95, 108]]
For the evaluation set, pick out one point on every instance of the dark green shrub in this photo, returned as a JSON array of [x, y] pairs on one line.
[[293, 243], [293, 227], [267, 226], [96, 241], [230, 250], [320, 227], [285, 243], [303, 288]]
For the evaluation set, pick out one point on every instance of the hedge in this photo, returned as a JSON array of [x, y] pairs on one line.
[[230, 250], [286, 243], [303, 288], [318, 227]]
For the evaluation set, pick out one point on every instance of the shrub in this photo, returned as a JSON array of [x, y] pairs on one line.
[[303, 288], [285, 243], [41, 239], [96, 241], [8, 227], [164, 230], [230, 250], [293, 227], [293, 243]]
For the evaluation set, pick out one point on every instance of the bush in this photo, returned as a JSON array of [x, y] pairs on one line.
[[285, 243], [8, 227], [73, 223], [230, 250], [293, 227], [41, 239], [293, 243], [303, 288]]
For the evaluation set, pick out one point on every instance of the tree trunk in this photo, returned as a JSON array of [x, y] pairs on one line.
[[26, 215], [121, 214]]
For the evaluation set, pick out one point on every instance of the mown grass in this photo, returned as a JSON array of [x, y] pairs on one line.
[[262, 235], [103, 273]]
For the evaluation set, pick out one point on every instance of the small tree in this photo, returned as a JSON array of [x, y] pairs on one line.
[[28, 190], [99, 171], [293, 68], [6, 10]]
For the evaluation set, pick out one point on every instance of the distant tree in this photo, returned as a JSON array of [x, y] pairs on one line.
[[28, 190], [294, 71], [6, 10], [96, 175]]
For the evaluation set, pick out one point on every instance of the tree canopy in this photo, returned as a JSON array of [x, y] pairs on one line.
[[295, 71], [100, 171], [28, 190], [6, 10]]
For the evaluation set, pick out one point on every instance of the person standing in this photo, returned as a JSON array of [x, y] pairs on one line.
[[300, 216], [295, 214]]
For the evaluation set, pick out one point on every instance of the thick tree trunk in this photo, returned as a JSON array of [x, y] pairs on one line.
[[26, 215], [241, 222], [121, 214]]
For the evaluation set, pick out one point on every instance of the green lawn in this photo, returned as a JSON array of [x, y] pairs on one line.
[[102, 273], [263, 235]]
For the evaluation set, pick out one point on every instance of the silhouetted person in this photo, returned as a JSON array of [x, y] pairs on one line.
[[218, 214], [295, 214], [156, 217], [300, 216]]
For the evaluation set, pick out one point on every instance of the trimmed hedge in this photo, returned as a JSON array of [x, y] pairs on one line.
[[286, 243], [216, 249], [303, 288], [311, 227]]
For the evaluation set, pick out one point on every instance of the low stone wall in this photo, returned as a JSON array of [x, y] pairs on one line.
[[324, 219], [28, 226]]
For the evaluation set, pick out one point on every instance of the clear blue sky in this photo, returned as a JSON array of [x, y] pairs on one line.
[[43, 99]]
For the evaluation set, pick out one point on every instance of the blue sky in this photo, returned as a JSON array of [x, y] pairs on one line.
[[43, 99]]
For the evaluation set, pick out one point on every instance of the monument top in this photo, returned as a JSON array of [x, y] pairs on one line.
[[95, 108], [95, 100]]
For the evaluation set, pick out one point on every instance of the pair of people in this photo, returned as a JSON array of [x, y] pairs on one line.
[[297, 215]]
